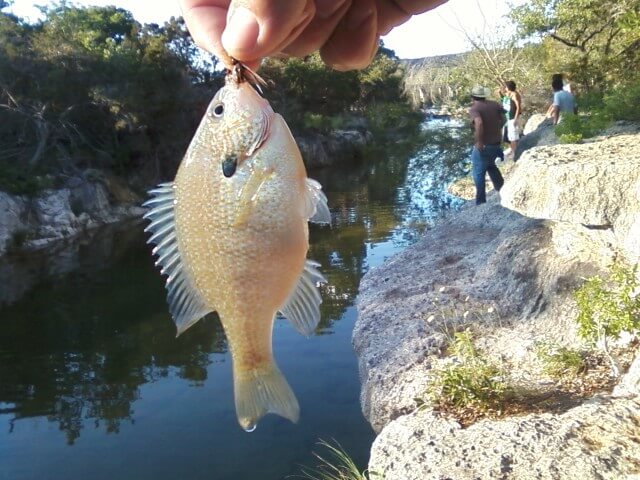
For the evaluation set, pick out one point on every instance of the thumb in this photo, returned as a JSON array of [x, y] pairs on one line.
[[258, 28]]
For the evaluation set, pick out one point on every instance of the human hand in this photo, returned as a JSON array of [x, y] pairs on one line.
[[345, 31], [479, 146]]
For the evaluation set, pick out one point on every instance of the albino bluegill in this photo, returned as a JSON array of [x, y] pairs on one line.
[[231, 234]]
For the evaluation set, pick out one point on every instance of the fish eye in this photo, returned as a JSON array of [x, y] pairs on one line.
[[218, 110]]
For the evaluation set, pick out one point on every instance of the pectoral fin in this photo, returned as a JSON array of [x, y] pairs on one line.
[[185, 303], [316, 208], [303, 305]]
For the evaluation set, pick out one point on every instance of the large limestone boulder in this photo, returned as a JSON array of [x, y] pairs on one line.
[[597, 440], [572, 210], [534, 122], [594, 184], [483, 258], [538, 131]]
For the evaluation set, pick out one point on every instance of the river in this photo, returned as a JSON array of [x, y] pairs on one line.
[[94, 384]]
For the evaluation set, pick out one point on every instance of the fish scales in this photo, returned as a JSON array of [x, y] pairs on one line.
[[239, 208]]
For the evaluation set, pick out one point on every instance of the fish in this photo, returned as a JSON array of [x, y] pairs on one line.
[[231, 235]]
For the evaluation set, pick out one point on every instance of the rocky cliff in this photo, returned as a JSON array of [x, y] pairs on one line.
[[80, 204], [567, 211]]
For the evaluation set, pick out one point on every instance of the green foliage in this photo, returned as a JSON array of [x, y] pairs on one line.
[[574, 128], [606, 308], [312, 96], [91, 87], [17, 181], [622, 102], [337, 466], [594, 41], [619, 103], [387, 117], [474, 382], [322, 123], [561, 362]]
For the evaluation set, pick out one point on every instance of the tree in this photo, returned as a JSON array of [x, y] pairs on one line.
[[597, 40]]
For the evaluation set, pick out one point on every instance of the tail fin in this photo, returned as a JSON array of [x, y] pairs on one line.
[[260, 391]]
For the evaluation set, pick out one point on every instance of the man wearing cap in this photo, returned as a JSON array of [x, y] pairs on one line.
[[487, 118]]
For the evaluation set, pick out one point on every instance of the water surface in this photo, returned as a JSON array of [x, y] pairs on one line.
[[93, 382]]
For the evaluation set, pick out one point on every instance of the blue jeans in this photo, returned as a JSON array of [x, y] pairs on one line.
[[483, 162]]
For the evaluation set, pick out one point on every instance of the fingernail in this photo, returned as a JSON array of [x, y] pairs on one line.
[[357, 16], [241, 32]]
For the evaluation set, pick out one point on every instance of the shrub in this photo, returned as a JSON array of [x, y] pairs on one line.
[[622, 103], [386, 117], [474, 382], [561, 362], [20, 181], [606, 308], [574, 128]]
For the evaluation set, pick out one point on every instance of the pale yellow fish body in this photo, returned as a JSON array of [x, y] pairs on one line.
[[241, 201]]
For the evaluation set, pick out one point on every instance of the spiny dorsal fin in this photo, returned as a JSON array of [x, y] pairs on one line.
[[185, 303], [302, 308], [316, 208]]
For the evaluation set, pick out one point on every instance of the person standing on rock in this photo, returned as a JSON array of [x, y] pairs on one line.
[[487, 118], [513, 115], [563, 100]]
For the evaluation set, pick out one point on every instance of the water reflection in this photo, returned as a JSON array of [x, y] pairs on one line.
[[83, 343], [86, 332], [387, 203]]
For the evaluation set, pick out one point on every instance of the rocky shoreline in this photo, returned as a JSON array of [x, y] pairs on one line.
[[567, 212]]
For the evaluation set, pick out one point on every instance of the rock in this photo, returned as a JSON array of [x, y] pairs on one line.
[[572, 210], [482, 257], [33, 223], [533, 123], [466, 189], [54, 215], [594, 184], [597, 440], [12, 211], [630, 383], [543, 134], [93, 199], [324, 150]]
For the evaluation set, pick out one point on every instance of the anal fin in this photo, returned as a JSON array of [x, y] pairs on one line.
[[185, 302]]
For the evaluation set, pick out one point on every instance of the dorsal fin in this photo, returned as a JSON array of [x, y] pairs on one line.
[[316, 208], [185, 303], [302, 308]]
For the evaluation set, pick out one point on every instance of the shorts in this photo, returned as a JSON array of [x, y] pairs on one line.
[[513, 131]]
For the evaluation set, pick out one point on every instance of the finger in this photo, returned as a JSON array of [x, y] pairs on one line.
[[415, 7], [256, 28], [355, 40], [315, 35], [206, 20], [392, 13]]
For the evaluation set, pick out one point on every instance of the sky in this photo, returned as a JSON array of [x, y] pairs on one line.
[[433, 33]]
